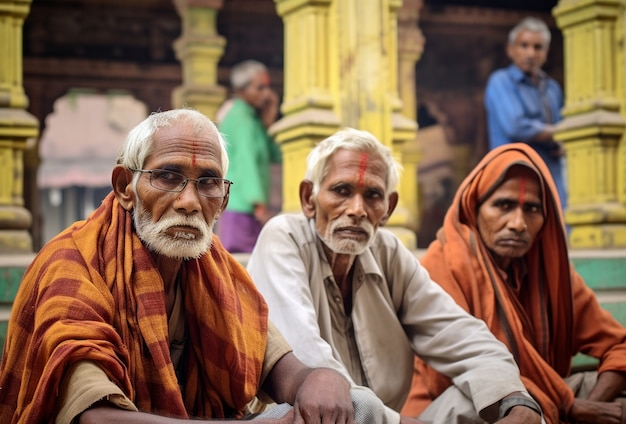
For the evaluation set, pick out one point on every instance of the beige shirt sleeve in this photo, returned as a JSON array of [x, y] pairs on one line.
[[84, 385]]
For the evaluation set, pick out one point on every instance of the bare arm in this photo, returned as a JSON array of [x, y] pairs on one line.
[[545, 135], [521, 415], [104, 413], [316, 393], [599, 407]]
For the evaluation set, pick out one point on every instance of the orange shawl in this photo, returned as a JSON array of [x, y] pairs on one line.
[[94, 293], [537, 327]]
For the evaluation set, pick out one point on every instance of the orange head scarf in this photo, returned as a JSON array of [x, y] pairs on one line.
[[537, 325]]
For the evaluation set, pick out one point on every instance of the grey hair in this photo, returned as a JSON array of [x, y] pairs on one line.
[[242, 73], [140, 140], [355, 140], [530, 24]]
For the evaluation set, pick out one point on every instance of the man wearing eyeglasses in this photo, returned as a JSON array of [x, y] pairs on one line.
[[139, 315]]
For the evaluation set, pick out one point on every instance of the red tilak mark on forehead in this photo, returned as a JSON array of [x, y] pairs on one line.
[[362, 167], [193, 155], [266, 79], [522, 192]]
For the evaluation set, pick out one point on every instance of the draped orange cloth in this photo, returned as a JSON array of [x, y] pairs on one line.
[[554, 316], [94, 293]]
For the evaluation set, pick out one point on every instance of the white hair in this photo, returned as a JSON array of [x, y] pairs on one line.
[[242, 73], [140, 140], [530, 24], [355, 140]]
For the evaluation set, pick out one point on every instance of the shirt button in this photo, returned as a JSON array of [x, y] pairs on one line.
[[337, 299]]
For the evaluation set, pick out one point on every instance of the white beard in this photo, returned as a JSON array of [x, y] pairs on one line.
[[183, 245], [347, 246]]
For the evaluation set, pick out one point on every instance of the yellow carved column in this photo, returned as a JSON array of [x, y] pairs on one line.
[[199, 50], [341, 67], [310, 111], [16, 127], [410, 48], [593, 124]]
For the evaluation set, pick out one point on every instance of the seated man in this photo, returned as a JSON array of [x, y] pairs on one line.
[[502, 255], [349, 296], [138, 308]]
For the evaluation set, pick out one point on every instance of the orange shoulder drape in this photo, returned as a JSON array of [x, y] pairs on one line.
[[460, 263], [94, 293]]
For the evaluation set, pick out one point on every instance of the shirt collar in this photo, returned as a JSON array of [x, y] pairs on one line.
[[519, 76]]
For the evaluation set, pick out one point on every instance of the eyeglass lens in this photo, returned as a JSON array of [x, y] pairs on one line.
[[173, 181]]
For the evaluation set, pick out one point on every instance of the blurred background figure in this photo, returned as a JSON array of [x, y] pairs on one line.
[[243, 120], [523, 103]]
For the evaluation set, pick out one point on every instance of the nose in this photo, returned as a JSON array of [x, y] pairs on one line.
[[188, 200], [517, 222], [356, 207]]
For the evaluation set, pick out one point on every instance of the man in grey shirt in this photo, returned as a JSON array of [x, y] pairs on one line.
[[349, 296]]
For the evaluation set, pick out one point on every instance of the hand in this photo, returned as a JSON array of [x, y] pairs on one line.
[[521, 415], [594, 412], [324, 397], [558, 151], [261, 213], [269, 111]]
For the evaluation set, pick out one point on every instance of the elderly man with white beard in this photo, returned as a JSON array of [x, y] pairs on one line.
[[139, 315], [350, 296]]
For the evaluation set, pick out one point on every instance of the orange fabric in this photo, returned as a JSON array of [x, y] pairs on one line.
[[94, 293], [555, 315]]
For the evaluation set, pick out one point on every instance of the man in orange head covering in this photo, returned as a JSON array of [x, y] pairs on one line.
[[502, 254]]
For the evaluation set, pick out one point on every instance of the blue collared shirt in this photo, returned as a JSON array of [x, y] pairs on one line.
[[517, 111], [514, 105]]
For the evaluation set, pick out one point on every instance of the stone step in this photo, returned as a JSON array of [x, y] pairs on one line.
[[12, 269]]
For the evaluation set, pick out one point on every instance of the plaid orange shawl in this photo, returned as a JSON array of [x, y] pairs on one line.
[[94, 293], [539, 327]]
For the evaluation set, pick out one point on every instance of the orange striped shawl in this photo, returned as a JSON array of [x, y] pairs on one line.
[[94, 293]]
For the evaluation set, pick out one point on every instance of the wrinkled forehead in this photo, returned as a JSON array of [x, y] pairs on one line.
[[361, 162], [183, 139]]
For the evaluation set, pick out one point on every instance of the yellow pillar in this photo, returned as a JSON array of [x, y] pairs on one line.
[[593, 124], [410, 48], [341, 67], [16, 127], [199, 50]]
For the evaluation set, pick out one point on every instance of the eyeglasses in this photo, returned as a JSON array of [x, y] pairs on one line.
[[175, 182]]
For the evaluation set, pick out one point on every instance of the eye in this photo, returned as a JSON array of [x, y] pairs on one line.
[[504, 205], [341, 190], [533, 208], [374, 194], [208, 182], [168, 177]]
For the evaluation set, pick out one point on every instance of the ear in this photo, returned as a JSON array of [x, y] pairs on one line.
[[393, 202], [122, 181], [307, 203]]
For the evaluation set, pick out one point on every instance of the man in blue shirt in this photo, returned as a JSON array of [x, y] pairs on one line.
[[523, 103]]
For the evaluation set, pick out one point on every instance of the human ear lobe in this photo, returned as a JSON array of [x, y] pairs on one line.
[[122, 181], [307, 203]]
